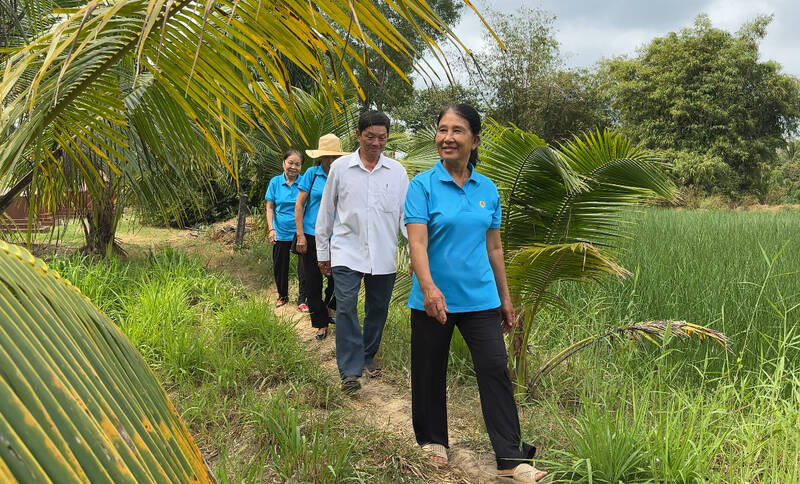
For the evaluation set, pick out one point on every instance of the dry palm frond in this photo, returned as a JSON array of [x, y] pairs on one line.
[[653, 331]]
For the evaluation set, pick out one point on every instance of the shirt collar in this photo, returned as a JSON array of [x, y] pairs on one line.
[[320, 171], [286, 182], [445, 176], [355, 160]]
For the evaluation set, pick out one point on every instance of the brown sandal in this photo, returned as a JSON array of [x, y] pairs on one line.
[[523, 473], [437, 454], [372, 370]]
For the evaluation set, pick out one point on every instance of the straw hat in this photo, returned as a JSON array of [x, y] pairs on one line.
[[329, 145]]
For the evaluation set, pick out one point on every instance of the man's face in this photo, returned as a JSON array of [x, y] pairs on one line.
[[373, 139]]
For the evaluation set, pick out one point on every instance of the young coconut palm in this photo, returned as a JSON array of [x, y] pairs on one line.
[[563, 212], [208, 55]]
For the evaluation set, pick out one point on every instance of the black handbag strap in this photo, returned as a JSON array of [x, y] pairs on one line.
[[308, 200]]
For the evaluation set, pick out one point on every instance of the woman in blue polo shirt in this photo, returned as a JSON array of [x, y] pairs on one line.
[[306, 208], [453, 218], [281, 196]]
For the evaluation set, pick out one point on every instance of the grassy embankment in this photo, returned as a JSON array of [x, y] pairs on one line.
[[688, 412], [254, 397]]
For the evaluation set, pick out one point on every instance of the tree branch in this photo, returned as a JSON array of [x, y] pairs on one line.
[[8, 197]]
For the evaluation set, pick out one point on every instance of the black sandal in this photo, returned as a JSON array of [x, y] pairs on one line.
[[372, 370], [322, 336]]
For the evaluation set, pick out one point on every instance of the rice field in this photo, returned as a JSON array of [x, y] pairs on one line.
[[690, 411]]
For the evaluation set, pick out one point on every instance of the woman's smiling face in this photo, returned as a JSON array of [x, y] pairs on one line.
[[454, 138], [292, 165]]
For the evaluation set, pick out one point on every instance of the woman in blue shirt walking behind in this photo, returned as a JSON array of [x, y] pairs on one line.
[[281, 196], [453, 218], [306, 209]]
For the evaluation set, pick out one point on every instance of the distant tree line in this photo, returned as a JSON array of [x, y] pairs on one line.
[[723, 120]]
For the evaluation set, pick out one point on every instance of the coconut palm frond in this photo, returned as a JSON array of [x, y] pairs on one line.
[[420, 149], [618, 175], [312, 117], [201, 51], [655, 332], [78, 402], [533, 269], [532, 181]]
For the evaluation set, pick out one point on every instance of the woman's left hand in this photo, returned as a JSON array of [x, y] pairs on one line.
[[507, 316]]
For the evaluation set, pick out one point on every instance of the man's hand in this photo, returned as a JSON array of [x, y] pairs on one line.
[[273, 236], [435, 305], [325, 267]]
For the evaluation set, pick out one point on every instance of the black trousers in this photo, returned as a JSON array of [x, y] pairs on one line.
[[318, 303], [280, 270], [430, 345]]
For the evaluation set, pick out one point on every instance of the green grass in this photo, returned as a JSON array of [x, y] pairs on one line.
[[257, 401], [711, 268], [687, 412]]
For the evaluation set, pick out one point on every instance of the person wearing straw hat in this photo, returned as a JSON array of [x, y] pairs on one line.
[[310, 189], [365, 190]]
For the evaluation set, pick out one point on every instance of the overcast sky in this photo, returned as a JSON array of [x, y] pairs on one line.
[[591, 30]]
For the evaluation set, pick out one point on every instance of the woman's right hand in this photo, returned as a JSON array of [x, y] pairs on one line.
[[273, 236], [301, 243], [435, 305]]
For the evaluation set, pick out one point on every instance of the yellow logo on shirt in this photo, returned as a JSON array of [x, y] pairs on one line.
[[482, 204]]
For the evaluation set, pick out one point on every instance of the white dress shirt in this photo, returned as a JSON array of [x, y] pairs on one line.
[[368, 208]]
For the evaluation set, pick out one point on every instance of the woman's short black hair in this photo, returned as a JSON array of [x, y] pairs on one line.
[[473, 118], [373, 118], [291, 152]]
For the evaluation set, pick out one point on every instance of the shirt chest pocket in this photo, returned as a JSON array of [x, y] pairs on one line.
[[390, 202], [384, 200]]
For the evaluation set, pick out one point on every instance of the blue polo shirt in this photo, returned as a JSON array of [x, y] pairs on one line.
[[457, 220], [283, 196], [317, 175]]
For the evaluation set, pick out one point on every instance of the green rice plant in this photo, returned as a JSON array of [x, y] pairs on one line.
[[716, 268], [303, 448], [685, 437], [161, 323], [656, 332], [607, 445]]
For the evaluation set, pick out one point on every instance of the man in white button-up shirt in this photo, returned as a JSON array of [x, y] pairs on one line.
[[365, 190]]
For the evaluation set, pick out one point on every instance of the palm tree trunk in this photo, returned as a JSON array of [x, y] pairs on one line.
[[241, 217]]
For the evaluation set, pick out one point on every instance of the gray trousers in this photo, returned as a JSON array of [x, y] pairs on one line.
[[354, 349]]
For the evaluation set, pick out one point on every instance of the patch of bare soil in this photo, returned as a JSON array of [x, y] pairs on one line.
[[388, 407], [225, 232]]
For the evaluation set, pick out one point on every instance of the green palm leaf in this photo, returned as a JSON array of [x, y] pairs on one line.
[[211, 50], [563, 211], [77, 401]]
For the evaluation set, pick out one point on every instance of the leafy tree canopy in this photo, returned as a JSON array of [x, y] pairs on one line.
[[426, 103], [527, 85], [703, 90], [387, 89]]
